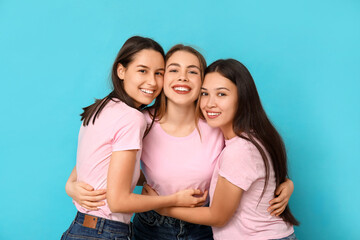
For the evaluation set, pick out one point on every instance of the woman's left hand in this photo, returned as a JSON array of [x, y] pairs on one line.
[[283, 192], [147, 190]]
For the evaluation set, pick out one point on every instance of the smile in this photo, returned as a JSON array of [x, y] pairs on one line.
[[147, 91], [181, 89], [212, 115]]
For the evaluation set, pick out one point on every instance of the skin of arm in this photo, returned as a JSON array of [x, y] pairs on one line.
[[283, 193], [120, 197], [83, 193], [225, 201]]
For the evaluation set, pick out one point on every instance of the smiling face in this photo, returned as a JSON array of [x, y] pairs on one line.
[[143, 77], [182, 80], [218, 102]]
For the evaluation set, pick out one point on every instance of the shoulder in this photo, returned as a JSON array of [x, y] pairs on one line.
[[127, 114], [238, 151]]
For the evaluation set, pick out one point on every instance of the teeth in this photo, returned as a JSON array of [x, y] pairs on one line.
[[213, 114], [147, 91], [183, 89]]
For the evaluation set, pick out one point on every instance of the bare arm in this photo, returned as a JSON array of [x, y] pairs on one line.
[[83, 193], [225, 201], [120, 197], [283, 192]]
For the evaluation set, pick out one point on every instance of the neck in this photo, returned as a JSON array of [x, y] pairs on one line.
[[179, 120], [228, 131]]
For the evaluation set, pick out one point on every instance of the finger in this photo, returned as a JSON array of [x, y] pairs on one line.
[[277, 212], [280, 212], [86, 186], [147, 187], [206, 193], [91, 208], [274, 207], [144, 192], [277, 200], [97, 198], [197, 192], [279, 189], [203, 197], [96, 192], [93, 204], [200, 204]]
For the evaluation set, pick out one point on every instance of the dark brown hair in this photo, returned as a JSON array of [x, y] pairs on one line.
[[125, 56], [161, 103], [251, 119]]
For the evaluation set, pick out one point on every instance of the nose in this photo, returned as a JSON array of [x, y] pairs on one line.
[[183, 76], [151, 81], [211, 102]]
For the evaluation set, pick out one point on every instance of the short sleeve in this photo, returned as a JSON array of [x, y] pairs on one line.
[[129, 132], [237, 165]]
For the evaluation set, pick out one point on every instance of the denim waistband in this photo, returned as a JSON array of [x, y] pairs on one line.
[[103, 224], [160, 219]]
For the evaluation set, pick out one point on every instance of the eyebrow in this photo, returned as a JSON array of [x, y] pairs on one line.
[[219, 88], [143, 66], [178, 65]]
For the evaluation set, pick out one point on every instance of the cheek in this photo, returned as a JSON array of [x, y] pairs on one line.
[[197, 82], [202, 102], [160, 82]]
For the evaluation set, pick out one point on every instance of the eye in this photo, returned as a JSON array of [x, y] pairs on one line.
[[159, 73], [221, 94], [173, 70], [193, 72], [142, 71], [203, 94]]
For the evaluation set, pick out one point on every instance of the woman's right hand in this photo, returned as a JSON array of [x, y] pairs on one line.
[[191, 198], [85, 195], [184, 198]]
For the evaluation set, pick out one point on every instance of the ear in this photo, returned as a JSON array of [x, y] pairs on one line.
[[121, 71]]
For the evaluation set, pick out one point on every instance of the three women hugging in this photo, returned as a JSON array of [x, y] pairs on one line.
[[215, 166]]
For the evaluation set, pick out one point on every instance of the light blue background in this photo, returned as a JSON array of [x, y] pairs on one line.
[[55, 57]]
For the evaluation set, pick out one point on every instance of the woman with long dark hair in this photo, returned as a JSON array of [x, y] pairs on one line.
[[251, 166], [110, 144]]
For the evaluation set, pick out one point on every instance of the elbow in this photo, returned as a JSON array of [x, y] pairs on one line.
[[220, 221], [120, 205]]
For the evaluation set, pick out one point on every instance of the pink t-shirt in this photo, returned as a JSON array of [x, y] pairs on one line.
[[171, 164], [242, 165], [118, 127]]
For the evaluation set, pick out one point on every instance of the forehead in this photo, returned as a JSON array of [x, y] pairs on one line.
[[216, 80], [183, 58], [148, 57]]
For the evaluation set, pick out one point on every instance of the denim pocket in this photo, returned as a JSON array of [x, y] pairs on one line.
[[79, 232], [147, 218]]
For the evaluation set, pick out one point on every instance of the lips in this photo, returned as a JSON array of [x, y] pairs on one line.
[[147, 91], [181, 89], [212, 115]]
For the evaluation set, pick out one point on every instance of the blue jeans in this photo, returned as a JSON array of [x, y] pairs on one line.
[[91, 227], [153, 226], [290, 237]]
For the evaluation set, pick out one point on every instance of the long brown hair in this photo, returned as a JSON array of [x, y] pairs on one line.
[[159, 108], [251, 119], [125, 56]]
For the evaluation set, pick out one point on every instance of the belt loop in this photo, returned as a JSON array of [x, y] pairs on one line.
[[101, 227]]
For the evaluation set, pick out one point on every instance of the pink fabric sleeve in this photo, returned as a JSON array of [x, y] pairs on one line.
[[237, 166], [129, 133]]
